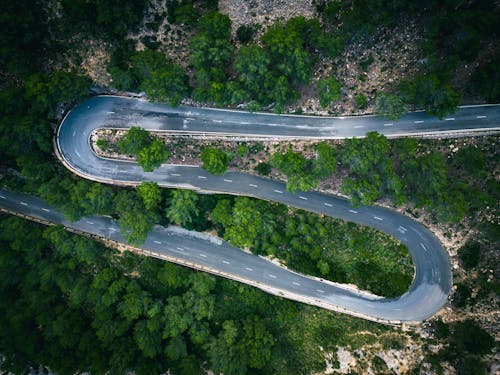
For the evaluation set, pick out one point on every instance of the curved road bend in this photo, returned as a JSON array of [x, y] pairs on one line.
[[432, 281]]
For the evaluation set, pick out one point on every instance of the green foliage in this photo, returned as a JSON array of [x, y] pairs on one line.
[[47, 92], [251, 64], [182, 207], [152, 156], [134, 141], [103, 144], [242, 150], [485, 81], [211, 52], [471, 160], [389, 105], [147, 70], [263, 168], [150, 194], [372, 172], [326, 162], [168, 83], [214, 160], [135, 220], [24, 29], [245, 33], [462, 296], [245, 222], [111, 19], [329, 91], [360, 101], [323, 247], [469, 337], [432, 94], [286, 47], [298, 169], [470, 254]]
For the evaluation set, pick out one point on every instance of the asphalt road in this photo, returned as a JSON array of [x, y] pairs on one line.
[[432, 281]]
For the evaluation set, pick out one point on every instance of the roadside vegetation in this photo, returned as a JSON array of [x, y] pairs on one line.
[[70, 304]]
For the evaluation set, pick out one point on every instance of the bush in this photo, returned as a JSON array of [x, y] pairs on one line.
[[103, 144], [389, 105], [329, 91], [469, 255], [245, 33], [214, 160], [134, 141], [469, 337], [360, 101], [263, 168]]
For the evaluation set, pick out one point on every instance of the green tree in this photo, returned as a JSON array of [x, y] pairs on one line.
[[469, 337], [470, 254], [389, 105], [134, 141], [214, 160], [360, 101], [326, 162], [153, 156], [168, 83], [211, 52], [251, 64], [298, 169], [150, 194], [431, 93], [372, 171], [328, 90], [135, 220], [182, 207]]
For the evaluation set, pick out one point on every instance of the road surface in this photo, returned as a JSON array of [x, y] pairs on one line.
[[432, 281]]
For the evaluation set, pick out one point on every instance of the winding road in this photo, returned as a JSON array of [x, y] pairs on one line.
[[432, 281]]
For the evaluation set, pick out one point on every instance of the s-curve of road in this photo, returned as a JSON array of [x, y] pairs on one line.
[[432, 281]]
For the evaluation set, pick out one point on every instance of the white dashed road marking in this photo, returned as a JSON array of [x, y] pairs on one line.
[[418, 122], [423, 246], [304, 198], [327, 204], [449, 119], [358, 127], [388, 124], [77, 153], [158, 242], [272, 276], [228, 180], [1, 196], [180, 248], [24, 203], [480, 116], [46, 210], [354, 212], [253, 185], [112, 229], [296, 283], [248, 269], [225, 262], [89, 222], [176, 174], [202, 177], [74, 133], [403, 228], [203, 255], [378, 218], [278, 191], [319, 290]]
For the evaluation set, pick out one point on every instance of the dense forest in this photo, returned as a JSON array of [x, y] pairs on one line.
[[73, 305]]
